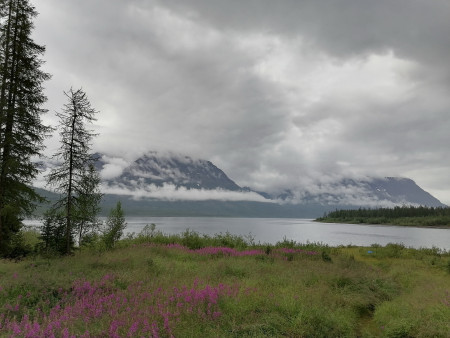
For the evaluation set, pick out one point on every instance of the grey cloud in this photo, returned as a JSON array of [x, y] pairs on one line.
[[173, 193], [346, 27], [113, 167], [278, 94]]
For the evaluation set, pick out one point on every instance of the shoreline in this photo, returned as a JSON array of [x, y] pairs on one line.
[[387, 224]]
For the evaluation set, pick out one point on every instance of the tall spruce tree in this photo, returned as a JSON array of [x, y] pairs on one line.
[[69, 177], [21, 129]]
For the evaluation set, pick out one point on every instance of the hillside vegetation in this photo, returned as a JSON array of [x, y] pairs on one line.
[[409, 216], [193, 285]]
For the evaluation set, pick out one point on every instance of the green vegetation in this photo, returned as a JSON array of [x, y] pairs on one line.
[[21, 141], [409, 216], [75, 176], [115, 225], [21, 129], [193, 285]]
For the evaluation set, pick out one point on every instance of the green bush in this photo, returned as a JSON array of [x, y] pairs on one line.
[[115, 225]]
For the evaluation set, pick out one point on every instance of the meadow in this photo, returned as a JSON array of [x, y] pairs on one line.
[[193, 285]]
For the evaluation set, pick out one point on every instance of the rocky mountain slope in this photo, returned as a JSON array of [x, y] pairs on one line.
[[180, 171], [154, 171], [369, 192]]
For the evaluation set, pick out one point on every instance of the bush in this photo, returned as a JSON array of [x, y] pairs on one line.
[[53, 233], [192, 240], [148, 231], [17, 248], [115, 225]]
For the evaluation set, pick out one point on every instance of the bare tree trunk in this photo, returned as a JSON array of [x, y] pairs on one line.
[[69, 192]]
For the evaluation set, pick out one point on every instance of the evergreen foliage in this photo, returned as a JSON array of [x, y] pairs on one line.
[[88, 207], [21, 129], [53, 232], [115, 225], [75, 177], [405, 215]]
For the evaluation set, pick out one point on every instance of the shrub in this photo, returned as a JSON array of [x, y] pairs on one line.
[[115, 225], [192, 240]]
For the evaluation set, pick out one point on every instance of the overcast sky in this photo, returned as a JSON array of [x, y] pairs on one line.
[[275, 93]]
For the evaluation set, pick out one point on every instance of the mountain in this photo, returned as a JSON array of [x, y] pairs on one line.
[[369, 192], [179, 171], [170, 185], [404, 191]]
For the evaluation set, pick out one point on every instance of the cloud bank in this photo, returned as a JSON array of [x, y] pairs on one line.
[[277, 94], [170, 192]]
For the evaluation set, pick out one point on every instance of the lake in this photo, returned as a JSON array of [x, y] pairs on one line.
[[272, 230]]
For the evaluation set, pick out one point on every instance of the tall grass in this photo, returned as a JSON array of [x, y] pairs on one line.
[[193, 285]]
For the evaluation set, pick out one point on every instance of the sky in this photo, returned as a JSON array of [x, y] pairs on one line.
[[278, 94]]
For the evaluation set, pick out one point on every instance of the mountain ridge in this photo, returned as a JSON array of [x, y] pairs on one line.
[[181, 186], [153, 170]]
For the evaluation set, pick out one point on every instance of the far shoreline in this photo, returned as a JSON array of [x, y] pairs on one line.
[[386, 224]]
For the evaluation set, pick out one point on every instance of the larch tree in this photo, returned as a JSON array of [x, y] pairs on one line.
[[74, 155], [21, 129]]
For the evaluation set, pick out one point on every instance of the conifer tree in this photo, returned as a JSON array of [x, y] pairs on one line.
[[21, 129], [68, 177], [115, 225], [52, 232], [89, 198]]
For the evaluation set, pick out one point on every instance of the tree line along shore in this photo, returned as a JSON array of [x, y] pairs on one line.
[[405, 216]]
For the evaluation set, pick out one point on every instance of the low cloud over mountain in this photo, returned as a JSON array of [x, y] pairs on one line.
[[167, 184], [272, 92], [176, 177]]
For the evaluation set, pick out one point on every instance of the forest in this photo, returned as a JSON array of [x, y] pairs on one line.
[[73, 217], [399, 215]]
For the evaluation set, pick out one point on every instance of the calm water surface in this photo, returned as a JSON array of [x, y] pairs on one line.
[[272, 230]]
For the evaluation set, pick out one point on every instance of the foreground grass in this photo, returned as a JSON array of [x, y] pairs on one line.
[[225, 286]]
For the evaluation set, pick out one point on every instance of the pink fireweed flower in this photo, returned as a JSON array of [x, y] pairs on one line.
[[155, 330], [136, 311], [176, 246], [133, 329]]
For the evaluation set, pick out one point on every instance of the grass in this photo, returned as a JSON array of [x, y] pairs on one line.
[[191, 285]]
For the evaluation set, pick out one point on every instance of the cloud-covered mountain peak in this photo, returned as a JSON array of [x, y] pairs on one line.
[[180, 177], [367, 192], [168, 169]]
